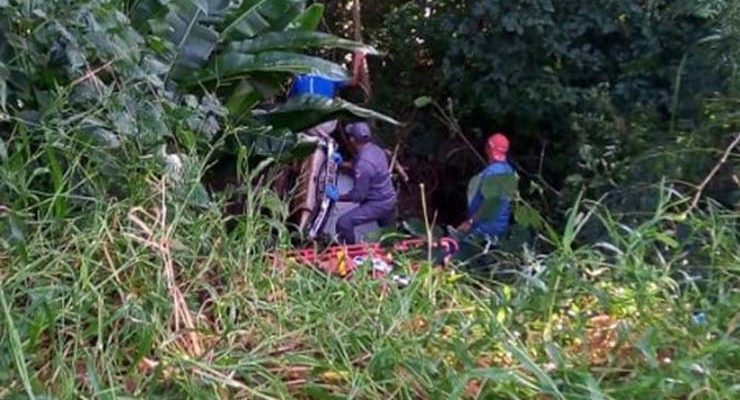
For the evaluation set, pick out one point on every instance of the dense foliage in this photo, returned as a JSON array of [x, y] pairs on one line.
[[162, 82], [600, 95], [119, 278]]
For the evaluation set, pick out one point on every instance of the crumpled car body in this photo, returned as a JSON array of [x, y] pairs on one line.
[[311, 212], [310, 207]]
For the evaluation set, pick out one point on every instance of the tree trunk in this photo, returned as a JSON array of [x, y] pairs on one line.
[[365, 79]]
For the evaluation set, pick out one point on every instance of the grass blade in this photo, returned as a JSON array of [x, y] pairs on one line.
[[535, 369], [16, 347]]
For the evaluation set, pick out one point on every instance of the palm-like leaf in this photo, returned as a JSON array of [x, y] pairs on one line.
[[296, 39], [235, 65], [188, 26], [195, 42], [253, 17], [308, 20], [245, 50], [198, 29], [305, 111]]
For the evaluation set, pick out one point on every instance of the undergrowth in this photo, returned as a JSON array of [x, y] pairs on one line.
[[120, 279], [90, 309]]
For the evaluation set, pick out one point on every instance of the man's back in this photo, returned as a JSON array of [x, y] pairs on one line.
[[373, 161], [497, 224]]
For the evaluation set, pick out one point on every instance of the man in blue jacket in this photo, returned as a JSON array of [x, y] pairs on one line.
[[373, 187], [494, 226]]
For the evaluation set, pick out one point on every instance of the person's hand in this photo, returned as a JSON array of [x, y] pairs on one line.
[[337, 158], [332, 192], [465, 226]]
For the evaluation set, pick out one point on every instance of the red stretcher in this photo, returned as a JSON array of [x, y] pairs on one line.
[[342, 261]]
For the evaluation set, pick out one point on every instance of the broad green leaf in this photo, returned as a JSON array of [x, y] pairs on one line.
[[280, 144], [494, 190], [248, 21], [194, 42], [189, 26], [254, 17], [282, 14], [308, 20], [305, 111], [233, 65], [290, 40], [499, 186], [489, 209], [242, 99]]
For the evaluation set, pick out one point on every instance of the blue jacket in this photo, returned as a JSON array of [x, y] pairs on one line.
[[315, 84], [498, 224]]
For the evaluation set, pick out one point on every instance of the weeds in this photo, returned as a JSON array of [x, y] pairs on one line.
[[119, 278], [89, 312]]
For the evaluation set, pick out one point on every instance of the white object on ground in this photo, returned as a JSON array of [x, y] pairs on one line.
[[402, 280], [378, 264]]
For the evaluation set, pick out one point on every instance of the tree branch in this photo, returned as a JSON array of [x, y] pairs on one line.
[[703, 185]]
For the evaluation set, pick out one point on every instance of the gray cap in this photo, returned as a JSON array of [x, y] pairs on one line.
[[359, 130]]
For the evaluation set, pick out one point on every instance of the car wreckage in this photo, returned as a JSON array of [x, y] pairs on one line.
[[305, 183]]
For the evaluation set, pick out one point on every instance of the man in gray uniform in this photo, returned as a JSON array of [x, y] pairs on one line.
[[373, 188]]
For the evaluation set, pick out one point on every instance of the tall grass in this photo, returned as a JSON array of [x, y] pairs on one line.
[[650, 310]]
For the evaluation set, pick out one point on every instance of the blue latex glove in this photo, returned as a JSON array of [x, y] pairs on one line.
[[337, 158], [699, 318], [332, 192]]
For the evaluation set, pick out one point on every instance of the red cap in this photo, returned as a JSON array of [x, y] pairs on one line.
[[497, 147]]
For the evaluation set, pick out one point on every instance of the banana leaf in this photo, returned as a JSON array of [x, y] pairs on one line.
[[187, 25], [190, 30], [494, 190], [254, 17], [300, 113], [280, 144], [289, 40], [235, 65], [309, 19], [499, 186]]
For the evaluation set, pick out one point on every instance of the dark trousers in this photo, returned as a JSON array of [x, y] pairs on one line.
[[383, 213]]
